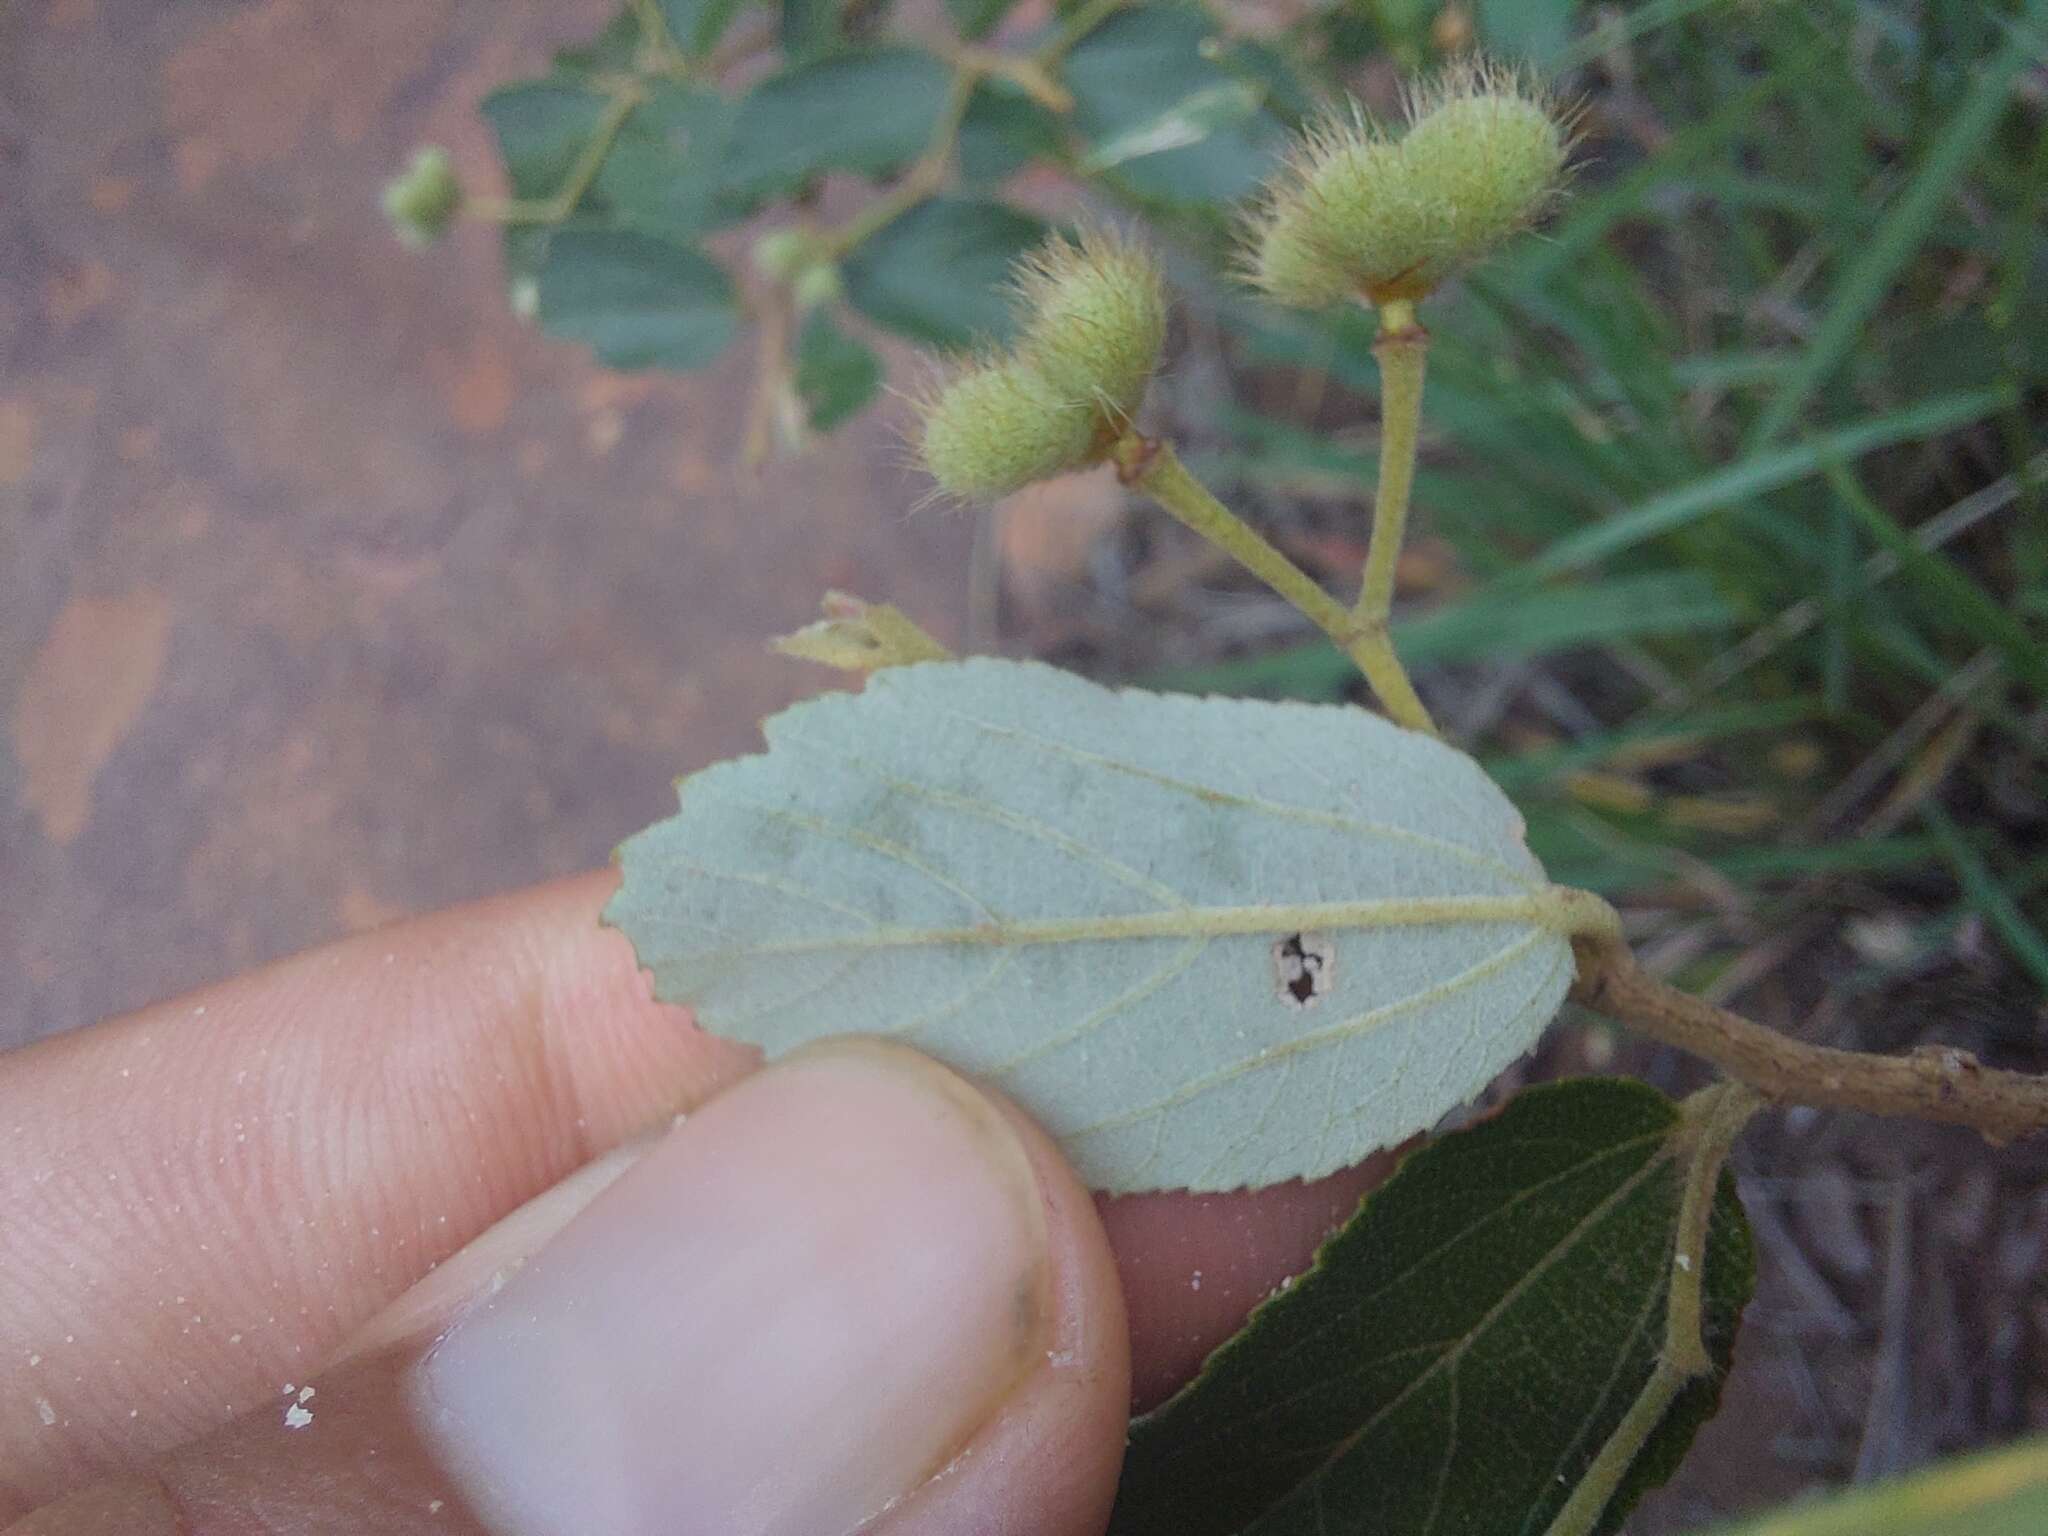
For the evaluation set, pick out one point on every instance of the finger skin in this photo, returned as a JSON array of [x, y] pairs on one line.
[[1192, 1266], [203, 1199], [1044, 1462], [1047, 1463]]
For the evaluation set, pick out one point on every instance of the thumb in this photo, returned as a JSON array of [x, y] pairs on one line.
[[852, 1288]]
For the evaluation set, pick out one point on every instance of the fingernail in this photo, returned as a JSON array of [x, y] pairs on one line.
[[488, 1260], [788, 1314]]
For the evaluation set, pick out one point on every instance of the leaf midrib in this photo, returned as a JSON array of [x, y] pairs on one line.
[[1543, 910]]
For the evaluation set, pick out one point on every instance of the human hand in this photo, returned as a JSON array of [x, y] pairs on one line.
[[432, 1178]]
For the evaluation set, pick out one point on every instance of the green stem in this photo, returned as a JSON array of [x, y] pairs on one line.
[[1403, 353], [1714, 1117], [924, 179], [1154, 468], [665, 53], [562, 203]]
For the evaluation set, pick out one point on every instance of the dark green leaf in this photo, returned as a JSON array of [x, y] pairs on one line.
[[1004, 130], [1463, 1348], [1137, 74], [1190, 121], [1356, 30], [697, 25], [938, 274], [868, 112], [542, 127], [612, 51], [809, 27], [977, 18], [664, 173], [1526, 31], [525, 248], [1285, 87], [639, 302], [835, 375]]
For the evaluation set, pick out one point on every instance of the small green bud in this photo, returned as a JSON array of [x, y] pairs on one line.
[[815, 285], [421, 201], [1092, 320], [781, 254], [999, 426], [1356, 215]]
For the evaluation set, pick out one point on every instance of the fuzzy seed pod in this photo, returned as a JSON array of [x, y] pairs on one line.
[[421, 202], [1092, 319], [1344, 220], [998, 426], [1287, 262], [1489, 155], [1355, 215]]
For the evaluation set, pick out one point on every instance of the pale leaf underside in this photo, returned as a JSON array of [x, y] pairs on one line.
[[1209, 943]]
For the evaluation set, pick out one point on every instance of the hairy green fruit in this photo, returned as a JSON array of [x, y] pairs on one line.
[[421, 202], [1346, 219], [997, 427], [1354, 214], [1093, 316], [1489, 158]]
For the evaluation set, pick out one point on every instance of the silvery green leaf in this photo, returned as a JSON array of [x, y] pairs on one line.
[[1208, 943]]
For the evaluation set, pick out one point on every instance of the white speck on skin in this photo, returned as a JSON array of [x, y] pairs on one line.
[[433, 1506], [1195, 1281], [35, 1360], [306, 1395], [45, 1412], [296, 1417]]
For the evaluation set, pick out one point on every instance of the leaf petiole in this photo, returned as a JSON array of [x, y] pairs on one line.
[[553, 209], [1712, 1119]]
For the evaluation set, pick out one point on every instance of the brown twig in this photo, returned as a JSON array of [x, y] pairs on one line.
[[1940, 1083]]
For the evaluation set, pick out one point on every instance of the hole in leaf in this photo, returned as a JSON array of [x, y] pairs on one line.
[[1304, 964]]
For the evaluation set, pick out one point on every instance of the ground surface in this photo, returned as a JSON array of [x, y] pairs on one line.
[[328, 591]]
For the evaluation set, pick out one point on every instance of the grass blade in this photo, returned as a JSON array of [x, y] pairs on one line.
[[1756, 473], [1988, 894], [1904, 227]]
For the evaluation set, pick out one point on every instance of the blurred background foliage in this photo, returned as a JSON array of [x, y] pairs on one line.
[[1736, 567]]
